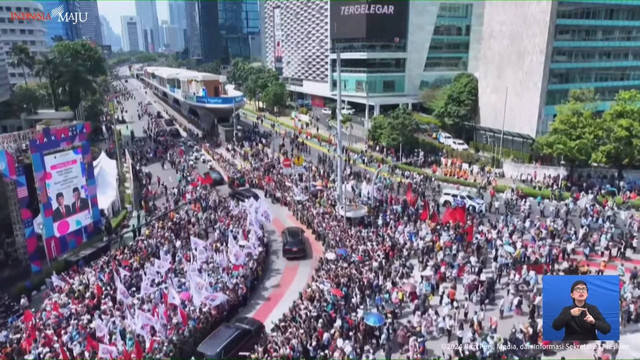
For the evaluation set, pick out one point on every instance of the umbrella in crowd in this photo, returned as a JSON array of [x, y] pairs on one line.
[[374, 319], [337, 292]]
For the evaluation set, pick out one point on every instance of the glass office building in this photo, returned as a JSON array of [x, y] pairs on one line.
[[239, 26], [58, 30], [595, 45]]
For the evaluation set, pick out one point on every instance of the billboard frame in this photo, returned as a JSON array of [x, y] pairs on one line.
[[51, 140]]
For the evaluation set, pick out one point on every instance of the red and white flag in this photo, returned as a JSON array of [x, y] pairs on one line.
[[107, 352]]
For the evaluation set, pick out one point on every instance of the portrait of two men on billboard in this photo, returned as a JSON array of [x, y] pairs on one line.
[[64, 209]]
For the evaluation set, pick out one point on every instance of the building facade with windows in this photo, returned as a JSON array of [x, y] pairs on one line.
[[91, 29], [131, 33], [390, 51], [59, 30], [147, 13], [5, 84], [562, 45], [31, 33]]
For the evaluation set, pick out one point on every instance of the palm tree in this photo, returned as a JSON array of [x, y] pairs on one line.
[[77, 83], [49, 68], [20, 57]]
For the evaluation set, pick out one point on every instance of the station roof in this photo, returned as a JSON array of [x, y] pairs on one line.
[[183, 74]]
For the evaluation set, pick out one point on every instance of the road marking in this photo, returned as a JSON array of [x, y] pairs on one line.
[[170, 179]]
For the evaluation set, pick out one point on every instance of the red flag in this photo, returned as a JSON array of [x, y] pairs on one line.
[[99, 290], [28, 316], [63, 351], [126, 355], [92, 344], [151, 344], [138, 350], [424, 215], [434, 217], [469, 232], [183, 315], [56, 307]]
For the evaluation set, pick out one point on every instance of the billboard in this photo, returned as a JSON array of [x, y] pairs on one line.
[[277, 36], [380, 21], [63, 171], [65, 174]]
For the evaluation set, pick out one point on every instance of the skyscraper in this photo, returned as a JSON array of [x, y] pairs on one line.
[[91, 29], [59, 30], [109, 36], [147, 14], [177, 14], [173, 39], [5, 84], [131, 33]]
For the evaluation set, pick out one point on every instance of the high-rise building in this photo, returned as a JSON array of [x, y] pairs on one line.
[[389, 53], [5, 84], [193, 30], [240, 27], [559, 46], [131, 33], [91, 29], [109, 36], [26, 32], [59, 30], [177, 14], [147, 12], [223, 30], [173, 39]]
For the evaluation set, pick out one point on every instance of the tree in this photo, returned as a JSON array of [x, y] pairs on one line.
[[93, 111], [48, 68], [20, 57], [399, 127], [460, 103], [83, 64], [620, 141], [239, 72], [212, 68], [145, 58], [576, 132], [275, 96], [27, 99], [433, 98]]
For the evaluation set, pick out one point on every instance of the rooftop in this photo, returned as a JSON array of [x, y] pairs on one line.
[[183, 74]]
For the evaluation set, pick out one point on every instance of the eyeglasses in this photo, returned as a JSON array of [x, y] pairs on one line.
[[580, 289]]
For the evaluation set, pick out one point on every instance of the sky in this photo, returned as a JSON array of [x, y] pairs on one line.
[[112, 10]]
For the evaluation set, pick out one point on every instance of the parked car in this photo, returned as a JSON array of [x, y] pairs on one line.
[[457, 144], [444, 138], [232, 341], [175, 133], [348, 110], [453, 197], [326, 111], [293, 243], [168, 122], [243, 195]]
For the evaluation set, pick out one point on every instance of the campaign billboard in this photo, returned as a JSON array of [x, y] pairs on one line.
[[381, 21], [67, 190]]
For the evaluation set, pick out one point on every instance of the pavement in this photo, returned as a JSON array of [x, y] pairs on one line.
[[284, 280]]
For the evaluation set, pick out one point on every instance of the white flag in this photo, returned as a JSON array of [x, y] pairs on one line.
[[197, 243], [162, 266], [107, 352], [172, 296], [146, 319], [146, 289], [165, 257], [101, 330], [216, 299], [202, 255], [55, 279], [123, 294], [124, 272]]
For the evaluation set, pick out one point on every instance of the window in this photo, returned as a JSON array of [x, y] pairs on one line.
[[32, 42], [359, 86], [389, 86], [30, 32], [4, 31], [23, 31], [18, 8], [12, 31], [2, 20], [8, 8]]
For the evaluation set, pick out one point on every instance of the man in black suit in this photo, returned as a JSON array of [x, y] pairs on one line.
[[580, 320], [62, 211], [79, 204]]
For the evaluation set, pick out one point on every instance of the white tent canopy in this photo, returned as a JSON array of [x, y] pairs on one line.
[[106, 174]]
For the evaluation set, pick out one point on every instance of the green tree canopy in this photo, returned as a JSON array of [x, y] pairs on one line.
[[27, 98], [20, 57], [275, 96], [576, 132], [399, 127], [621, 132], [459, 104], [212, 68]]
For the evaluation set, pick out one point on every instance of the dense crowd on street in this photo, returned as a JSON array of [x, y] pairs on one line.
[[388, 282], [407, 265]]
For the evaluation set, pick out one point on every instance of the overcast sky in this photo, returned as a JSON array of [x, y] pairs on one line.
[[112, 10]]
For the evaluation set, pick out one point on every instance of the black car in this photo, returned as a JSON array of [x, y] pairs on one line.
[[175, 133], [243, 195], [217, 177], [168, 122], [232, 341], [293, 243]]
